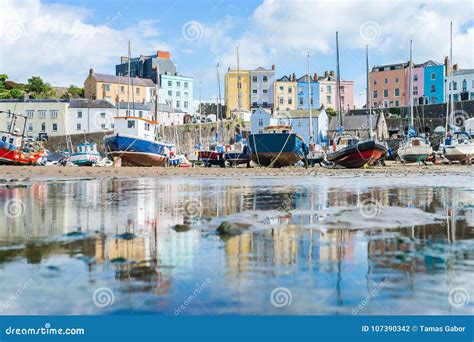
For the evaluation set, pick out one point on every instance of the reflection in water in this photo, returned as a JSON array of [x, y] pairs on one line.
[[81, 235]]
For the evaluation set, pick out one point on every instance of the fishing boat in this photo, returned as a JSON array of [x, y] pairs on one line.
[[413, 148], [135, 143], [347, 150], [15, 148], [277, 146], [86, 154], [179, 160]]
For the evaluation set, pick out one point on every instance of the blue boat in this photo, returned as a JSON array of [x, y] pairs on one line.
[[86, 154], [134, 143], [237, 153], [277, 146]]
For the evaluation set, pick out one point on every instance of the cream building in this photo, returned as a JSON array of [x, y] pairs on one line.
[[231, 96], [115, 88], [42, 116], [285, 90]]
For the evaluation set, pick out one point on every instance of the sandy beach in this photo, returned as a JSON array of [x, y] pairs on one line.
[[9, 173]]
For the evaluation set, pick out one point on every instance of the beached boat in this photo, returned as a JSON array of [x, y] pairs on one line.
[[277, 146], [458, 146], [15, 148], [86, 155], [237, 153], [212, 155], [134, 142]]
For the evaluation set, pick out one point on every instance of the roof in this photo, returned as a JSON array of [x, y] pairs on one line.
[[136, 105], [304, 78], [284, 79], [296, 114], [354, 122], [32, 100], [462, 72], [88, 103], [376, 67], [428, 63], [144, 82]]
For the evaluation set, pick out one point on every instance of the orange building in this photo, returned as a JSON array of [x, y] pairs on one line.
[[388, 85]]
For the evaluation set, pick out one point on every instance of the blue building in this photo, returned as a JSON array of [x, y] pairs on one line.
[[302, 100], [433, 76], [177, 91]]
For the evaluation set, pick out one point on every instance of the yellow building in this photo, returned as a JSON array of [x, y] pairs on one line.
[[115, 88], [231, 95], [285, 90]]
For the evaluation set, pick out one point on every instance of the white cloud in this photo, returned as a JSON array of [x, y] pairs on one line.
[[56, 42]]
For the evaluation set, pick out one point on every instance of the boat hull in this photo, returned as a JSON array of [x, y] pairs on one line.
[[359, 155], [135, 151], [210, 158], [276, 149], [85, 159], [460, 153], [414, 154], [237, 158], [15, 157]]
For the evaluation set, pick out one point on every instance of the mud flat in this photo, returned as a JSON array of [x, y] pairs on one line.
[[8, 173]]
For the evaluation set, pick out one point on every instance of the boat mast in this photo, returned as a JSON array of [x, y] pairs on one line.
[[451, 103], [369, 107], [338, 81], [217, 104], [128, 90], [200, 114], [239, 105], [410, 90], [310, 98]]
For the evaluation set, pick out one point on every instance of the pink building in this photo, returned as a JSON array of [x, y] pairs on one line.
[[418, 85], [347, 95]]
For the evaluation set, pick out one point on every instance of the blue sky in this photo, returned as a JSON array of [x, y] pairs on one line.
[[61, 40]]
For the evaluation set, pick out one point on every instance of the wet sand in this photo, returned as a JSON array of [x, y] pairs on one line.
[[9, 173]]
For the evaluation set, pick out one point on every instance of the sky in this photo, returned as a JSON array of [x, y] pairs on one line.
[[61, 40]]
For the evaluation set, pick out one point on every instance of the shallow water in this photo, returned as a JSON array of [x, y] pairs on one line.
[[363, 245]]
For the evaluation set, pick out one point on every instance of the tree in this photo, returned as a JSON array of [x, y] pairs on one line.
[[38, 89], [74, 92], [330, 111]]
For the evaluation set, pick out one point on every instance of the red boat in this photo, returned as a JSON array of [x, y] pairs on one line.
[[15, 149], [214, 155], [349, 152]]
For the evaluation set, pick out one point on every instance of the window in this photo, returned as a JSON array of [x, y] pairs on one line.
[[397, 103], [375, 82], [102, 115], [106, 87], [385, 93], [397, 92], [290, 101], [433, 99], [170, 93], [170, 83], [455, 85], [178, 84], [433, 88], [140, 113], [281, 88], [186, 94], [254, 91], [396, 80], [265, 91], [260, 122], [131, 123], [29, 113], [254, 104], [328, 99], [122, 89], [415, 78], [265, 104], [415, 90], [265, 78], [254, 78], [472, 96], [79, 114], [464, 85], [186, 104], [386, 81], [433, 76], [329, 89], [147, 126], [178, 104], [78, 127], [375, 94], [102, 126], [43, 126], [186, 84], [290, 90], [456, 97], [178, 93], [42, 114], [281, 100], [301, 101], [30, 127], [300, 90]]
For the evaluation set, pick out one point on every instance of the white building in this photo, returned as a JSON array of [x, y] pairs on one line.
[[462, 84], [43, 115], [167, 116], [297, 119]]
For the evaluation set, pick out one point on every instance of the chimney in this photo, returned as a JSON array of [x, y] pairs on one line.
[[293, 77], [273, 66], [163, 54], [446, 66], [91, 71], [228, 69], [331, 73], [315, 77], [326, 73], [455, 67]]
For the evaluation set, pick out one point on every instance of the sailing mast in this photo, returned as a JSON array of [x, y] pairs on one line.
[[217, 104], [451, 103], [200, 114], [369, 107], [338, 81], [310, 100], [410, 94], [239, 105], [128, 90]]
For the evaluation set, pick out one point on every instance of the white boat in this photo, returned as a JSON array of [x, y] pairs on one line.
[[458, 147], [86, 155]]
